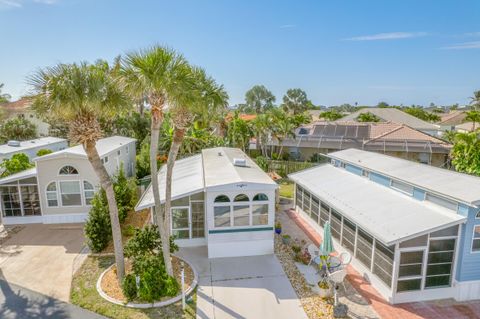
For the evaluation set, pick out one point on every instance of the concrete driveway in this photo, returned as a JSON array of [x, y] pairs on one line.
[[242, 287], [42, 258]]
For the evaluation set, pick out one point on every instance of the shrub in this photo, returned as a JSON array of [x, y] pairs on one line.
[[125, 193], [19, 162], [146, 241], [97, 227], [43, 151], [262, 162], [129, 287], [171, 286]]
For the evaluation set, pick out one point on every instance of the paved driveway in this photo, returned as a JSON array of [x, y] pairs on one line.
[[242, 287], [42, 257]]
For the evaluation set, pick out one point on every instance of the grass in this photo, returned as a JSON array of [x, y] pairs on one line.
[[85, 295], [286, 189]]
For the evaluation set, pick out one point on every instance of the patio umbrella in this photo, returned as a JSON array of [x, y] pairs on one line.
[[326, 247]]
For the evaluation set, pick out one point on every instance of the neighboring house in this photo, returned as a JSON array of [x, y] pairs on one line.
[[467, 127], [414, 230], [452, 119], [385, 137], [31, 147], [61, 186], [396, 116], [23, 109], [220, 199]]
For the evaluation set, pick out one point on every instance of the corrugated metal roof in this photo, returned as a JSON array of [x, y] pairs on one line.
[[104, 146], [219, 168], [461, 187], [393, 115], [32, 172], [388, 215], [25, 145], [187, 178]]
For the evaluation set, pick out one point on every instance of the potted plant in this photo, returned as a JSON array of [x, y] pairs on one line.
[[325, 290], [278, 228], [286, 239]]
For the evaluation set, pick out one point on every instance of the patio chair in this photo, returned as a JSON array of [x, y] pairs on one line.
[[345, 258], [313, 251], [338, 277]]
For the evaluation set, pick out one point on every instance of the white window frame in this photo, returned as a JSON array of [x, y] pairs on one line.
[[51, 192], [473, 239], [87, 190], [249, 203], [82, 200], [59, 174]]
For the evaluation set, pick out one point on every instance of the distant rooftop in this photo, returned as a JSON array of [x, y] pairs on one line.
[[104, 146], [457, 186], [393, 115], [25, 145]]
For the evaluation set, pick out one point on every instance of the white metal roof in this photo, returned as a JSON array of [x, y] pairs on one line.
[[25, 145], [219, 168], [187, 178], [214, 167], [388, 215], [460, 187], [394, 115], [104, 146], [32, 172]]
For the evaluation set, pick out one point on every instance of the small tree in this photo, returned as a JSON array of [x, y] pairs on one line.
[[98, 230], [332, 115], [19, 162], [18, 129], [44, 151], [368, 117], [125, 193]]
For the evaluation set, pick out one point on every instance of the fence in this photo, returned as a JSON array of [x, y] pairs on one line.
[[283, 168]]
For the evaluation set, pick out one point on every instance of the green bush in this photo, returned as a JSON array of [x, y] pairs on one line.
[[44, 151], [19, 162], [262, 162], [171, 286], [98, 230], [146, 241], [125, 193], [129, 287]]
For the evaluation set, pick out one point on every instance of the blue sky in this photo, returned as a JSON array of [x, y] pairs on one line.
[[403, 51]]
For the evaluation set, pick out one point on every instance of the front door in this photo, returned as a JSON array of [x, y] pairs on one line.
[[181, 222]]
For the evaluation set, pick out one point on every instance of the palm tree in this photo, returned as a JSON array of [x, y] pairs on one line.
[[204, 97], [80, 94], [473, 116], [475, 100], [159, 75]]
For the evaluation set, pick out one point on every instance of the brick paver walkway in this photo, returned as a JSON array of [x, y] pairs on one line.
[[442, 309]]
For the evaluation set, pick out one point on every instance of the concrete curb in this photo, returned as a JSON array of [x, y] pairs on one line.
[[147, 305]]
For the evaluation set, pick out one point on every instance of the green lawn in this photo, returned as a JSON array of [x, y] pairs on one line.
[[286, 189], [85, 295]]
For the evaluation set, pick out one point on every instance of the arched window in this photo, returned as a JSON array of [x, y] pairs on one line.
[[260, 197], [241, 198], [68, 170], [89, 192], [222, 199], [52, 197]]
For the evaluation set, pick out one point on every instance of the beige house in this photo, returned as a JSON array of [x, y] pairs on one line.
[[23, 109], [61, 186]]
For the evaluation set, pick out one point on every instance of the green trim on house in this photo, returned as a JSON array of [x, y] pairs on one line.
[[239, 230]]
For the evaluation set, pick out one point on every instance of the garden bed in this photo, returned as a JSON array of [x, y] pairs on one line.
[[110, 289], [85, 295], [315, 307]]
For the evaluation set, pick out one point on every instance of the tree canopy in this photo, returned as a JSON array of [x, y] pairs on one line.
[[331, 115], [17, 163], [17, 129], [466, 153], [420, 113], [258, 99], [368, 117], [295, 101]]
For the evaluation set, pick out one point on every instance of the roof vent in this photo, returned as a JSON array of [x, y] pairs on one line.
[[13, 143], [240, 162]]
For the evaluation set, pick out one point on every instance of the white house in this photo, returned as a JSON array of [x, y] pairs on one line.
[[61, 186], [31, 147], [221, 199]]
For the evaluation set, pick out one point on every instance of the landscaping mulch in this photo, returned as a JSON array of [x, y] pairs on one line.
[[314, 306], [85, 295], [112, 288]]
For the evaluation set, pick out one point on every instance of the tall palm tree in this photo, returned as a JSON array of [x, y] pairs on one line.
[[159, 75], [79, 94], [205, 96]]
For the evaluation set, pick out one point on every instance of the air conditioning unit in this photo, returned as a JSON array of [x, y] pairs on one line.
[[13, 143], [242, 162]]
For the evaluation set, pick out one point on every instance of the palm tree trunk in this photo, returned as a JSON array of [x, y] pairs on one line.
[[158, 213], [178, 135], [107, 185]]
